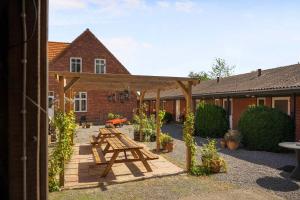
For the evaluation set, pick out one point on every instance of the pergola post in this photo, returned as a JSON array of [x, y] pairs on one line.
[[157, 108], [61, 93], [142, 95], [187, 91]]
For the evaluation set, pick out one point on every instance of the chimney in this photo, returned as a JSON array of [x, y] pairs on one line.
[[259, 72], [218, 79]]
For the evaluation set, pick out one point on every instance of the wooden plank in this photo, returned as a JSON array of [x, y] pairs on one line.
[[149, 155], [98, 156], [144, 161]]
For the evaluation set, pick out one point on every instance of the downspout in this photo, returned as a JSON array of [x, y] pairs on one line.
[[228, 110], [23, 111]]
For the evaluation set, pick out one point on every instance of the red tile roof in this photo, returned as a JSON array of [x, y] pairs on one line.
[[55, 48]]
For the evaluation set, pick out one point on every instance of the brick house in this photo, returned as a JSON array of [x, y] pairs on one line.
[[87, 54], [277, 88]]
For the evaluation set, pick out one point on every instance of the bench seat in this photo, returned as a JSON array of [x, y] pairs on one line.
[[98, 156]]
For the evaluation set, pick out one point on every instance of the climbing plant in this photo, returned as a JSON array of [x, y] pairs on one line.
[[65, 127], [188, 132]]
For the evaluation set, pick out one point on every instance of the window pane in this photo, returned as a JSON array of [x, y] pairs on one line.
[[261, 102], [102, 69], [77, 96], [282, 105], [50, 102], [83, 95], [97, 69], [83, 105], [77, 105]]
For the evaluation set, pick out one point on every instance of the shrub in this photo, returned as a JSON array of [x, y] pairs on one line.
[[165, 138], [110, 116], [262, 128], [168, 117], [210, 120]]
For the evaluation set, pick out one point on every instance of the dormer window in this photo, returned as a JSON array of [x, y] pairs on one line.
[[75, 64], [100, 66]]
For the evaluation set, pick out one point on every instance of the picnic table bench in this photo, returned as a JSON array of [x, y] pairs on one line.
[[122, 143], [103, 134]]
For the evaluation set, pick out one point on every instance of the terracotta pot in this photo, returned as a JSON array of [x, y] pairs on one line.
[[169, 146], [88, 125], [232, 145], [215, 166], [223, 144]]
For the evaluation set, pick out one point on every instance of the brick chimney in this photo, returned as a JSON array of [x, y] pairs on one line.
[[259, 72], [218, 79]]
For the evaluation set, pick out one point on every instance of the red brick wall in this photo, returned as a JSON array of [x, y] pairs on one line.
[[239, 106], [297, 118], [89, 48]]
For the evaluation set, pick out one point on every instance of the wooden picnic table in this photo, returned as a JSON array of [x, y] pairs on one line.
[[104, 133], [122, 143]]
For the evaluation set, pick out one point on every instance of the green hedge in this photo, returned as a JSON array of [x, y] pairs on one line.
[[168, 117], [262, 128], [210, 121]]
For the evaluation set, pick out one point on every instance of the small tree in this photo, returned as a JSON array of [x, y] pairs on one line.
[[202, 76], [221, 69]]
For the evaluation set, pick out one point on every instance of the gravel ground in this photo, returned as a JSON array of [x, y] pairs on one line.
[[246, 169]]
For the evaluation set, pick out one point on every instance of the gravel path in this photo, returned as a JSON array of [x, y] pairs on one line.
[[245, 168]]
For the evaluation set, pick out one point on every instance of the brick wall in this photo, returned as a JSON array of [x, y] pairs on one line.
[[88, 47], [239, 106]]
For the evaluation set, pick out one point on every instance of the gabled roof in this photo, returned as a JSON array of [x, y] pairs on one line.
[[58, 49], [270, 81], [55, 48]]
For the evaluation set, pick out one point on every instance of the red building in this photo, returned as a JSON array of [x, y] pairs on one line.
[[87, 54], [277, 88]]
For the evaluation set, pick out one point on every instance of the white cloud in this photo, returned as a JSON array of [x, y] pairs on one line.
[[163, 4], [127, 49], [184, 6]]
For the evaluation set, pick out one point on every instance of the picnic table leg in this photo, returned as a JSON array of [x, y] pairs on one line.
[[134, 154], [106, 149], [101, 141], [144, 161], [111, 162]]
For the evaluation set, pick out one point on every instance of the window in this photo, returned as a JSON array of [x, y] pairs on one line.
[[80, 102], [50, 99], [164, 105], [282, 104], [100, 66], [261, 101], [75, 64], [218, 102]]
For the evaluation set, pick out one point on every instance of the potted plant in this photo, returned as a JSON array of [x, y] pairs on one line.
[[223, 143], [211, 159], [233, 139], [166, 141]]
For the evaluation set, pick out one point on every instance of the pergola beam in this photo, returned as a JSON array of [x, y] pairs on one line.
[[71, 83]]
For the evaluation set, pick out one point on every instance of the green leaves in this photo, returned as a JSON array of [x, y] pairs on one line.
[[62, 152], [262, 128]]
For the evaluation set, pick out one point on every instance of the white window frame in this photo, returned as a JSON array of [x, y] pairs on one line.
[[95, 65], [282, 98], [80, 63], [260, 98], [80, 99], [51, 95]]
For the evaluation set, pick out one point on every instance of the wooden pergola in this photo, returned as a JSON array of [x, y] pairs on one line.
[[138, 83]]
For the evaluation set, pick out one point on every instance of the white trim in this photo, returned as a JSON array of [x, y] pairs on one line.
[[101, 59], [260, 98], [70, 63], [80, 99], [219, 101], [282, 98], [177, 110]]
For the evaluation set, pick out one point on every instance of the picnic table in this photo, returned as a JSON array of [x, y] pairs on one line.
[[116, 145], [295, 146], [104, 133]]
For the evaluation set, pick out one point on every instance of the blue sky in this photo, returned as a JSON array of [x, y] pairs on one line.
[[167, 37]]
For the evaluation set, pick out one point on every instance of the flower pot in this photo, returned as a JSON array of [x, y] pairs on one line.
[[169, 146], [232, 145], [223, 143], [88, 125], [215, 166]]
